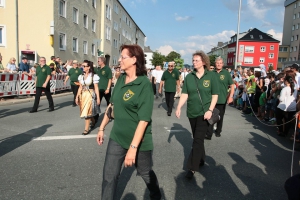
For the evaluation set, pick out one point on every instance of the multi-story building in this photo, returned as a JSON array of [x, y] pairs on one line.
[[254, 48], [283, 56], [77, 29], [220, 50], [148, 56], [117, 28], [291, 31]]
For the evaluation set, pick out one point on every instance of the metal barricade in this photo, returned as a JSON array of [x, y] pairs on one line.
[[9, 84]]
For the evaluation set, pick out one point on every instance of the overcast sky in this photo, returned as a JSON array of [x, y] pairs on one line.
[[190, 25]]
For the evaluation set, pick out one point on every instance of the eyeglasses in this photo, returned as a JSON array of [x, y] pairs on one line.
[[124, 57], [42, 60], [84, 66], [170, 66], [212, 68]]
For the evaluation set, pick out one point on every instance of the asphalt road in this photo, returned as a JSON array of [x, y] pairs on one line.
[[44, 156]]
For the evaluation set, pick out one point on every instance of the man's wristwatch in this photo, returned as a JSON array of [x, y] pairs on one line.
[[132, 146]]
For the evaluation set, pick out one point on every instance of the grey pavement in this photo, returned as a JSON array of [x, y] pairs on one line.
[[44, 156]]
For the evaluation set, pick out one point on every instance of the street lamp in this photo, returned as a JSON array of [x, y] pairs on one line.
[[237, 37]]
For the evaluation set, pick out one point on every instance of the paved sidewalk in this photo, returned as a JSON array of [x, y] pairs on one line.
[[24, 99]]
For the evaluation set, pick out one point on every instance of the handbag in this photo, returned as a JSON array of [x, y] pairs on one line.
[[215, 117], [110, 111]]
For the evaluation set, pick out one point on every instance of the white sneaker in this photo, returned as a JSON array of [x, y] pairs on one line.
[[273, 119]]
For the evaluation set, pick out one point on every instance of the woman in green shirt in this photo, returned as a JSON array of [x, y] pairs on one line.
[[205, 82], [131, 135]]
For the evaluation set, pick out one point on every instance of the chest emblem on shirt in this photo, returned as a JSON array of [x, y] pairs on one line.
[[206, 83], [76, 71], [103, 72], [128, 94], [222, 77], [43, 70], [173, 75]]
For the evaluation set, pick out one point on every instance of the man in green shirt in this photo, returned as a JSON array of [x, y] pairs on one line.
[[42, 83], [73, 74], [170, 79], [104, 85], [224, 81]]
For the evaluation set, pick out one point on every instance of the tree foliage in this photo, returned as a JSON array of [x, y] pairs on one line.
[[157, 59], [172, 56], [212, 59], [179, 63]]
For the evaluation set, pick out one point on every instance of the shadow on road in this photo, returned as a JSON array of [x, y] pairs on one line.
[[184, 137], [11, 143], [8, 112]]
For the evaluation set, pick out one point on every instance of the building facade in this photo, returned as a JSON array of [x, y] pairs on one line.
[[148, 56], [69, 29]]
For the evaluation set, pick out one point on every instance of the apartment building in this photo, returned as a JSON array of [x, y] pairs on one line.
[[70, 29], [291, 31]]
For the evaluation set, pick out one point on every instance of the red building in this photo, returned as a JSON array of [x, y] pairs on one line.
[[255, 48]]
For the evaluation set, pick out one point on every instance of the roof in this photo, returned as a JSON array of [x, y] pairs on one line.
[[147, 49], [257, 35]]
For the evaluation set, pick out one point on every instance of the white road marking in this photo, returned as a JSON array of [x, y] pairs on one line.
[[65, 137], [175, 131]]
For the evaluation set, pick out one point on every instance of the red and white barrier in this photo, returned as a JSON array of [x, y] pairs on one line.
[[9, 84], [60, 78]]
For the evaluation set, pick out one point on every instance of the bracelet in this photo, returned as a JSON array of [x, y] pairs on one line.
[[101, 129], [132, 146], [210, 110]]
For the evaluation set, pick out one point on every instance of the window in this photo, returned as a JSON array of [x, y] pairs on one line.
[[282, 59], [298, 4], [108, 12], [116, 8], [290, 58], [283, 49], [85, 45], [93, 49], [251, 36], [271, 55], [115, 26], [85, 21], [296, 38], [75, 44], [107, 32], [292, 38], [93, 25], [260, 37], [297, 26], [75, 15], [294, 59], [294, 16], [262, 49], [295, 48], [62, 41], [291, 49], [119, 38], [295, 6], [2, 3], [248, 60], [272, 47], [115, 43], [261, 60], [2, 36], [62, 8], [249, 49], [293, 27], [94, 3]]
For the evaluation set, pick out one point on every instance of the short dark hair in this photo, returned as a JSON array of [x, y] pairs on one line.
[[264, 88], [137, 52], [52, 57]]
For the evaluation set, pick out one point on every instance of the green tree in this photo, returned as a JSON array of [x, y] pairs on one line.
[[172, 55], [157, 59], [179, 63], [212, 59], [270, 68]]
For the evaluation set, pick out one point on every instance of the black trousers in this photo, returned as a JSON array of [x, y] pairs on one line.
[[170, 100], [38, 94], [107, 98], [74, 89], [199, 128], [287, 116], [210, 130]]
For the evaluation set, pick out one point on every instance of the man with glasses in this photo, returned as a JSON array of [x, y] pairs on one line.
[[224, 81], [170, 79], [104, 85], [212, 68], [42, 83]]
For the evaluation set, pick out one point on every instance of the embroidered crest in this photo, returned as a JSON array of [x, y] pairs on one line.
[[222, 77], [76, 71], [43, 70], [103, 72], [206, 83], [128, 95], [173, 75]]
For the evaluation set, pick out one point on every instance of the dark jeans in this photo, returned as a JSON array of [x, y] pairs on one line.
[[107, 98], [199, 128], [74, 89], [38, 94], [114, 159], [170, 100], [287, 116], [221, 108]]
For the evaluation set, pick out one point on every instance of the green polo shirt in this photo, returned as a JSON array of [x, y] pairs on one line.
[[224, 80], [207, 85], [104, 74], [170, 80], [41, 74], [133, 102], [74, 74]]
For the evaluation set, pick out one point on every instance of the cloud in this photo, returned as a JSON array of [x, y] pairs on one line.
[[165, 50], [179, 18], [277, 36]]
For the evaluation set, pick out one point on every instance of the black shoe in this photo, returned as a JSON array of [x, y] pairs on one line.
[[207, 137], [85, 132], [201, 163], [32, 111], [51, 109], [218, 135], [189, 174], [169, 114], [156, 97]]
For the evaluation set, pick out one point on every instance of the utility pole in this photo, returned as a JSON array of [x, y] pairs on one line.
[[17, 32], [237, 37]]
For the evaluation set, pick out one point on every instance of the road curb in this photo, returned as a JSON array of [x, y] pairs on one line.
[[26, 100]]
